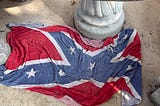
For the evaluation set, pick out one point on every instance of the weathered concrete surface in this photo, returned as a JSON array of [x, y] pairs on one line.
[[156, 96], [143, 15]]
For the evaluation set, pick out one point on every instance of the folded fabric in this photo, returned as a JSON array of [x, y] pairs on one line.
[[30, 25], [55, 61], [4, 51]]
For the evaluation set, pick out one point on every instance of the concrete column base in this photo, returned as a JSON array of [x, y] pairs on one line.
[[99, 19]]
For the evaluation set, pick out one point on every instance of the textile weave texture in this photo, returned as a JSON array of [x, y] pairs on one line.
[[55, 61]]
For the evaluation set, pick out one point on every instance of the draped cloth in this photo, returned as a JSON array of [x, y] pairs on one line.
[[56, 61]]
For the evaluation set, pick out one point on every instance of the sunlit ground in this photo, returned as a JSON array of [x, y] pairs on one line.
[[143, 15]]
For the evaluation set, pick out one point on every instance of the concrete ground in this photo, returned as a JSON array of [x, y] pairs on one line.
[[142, 15]]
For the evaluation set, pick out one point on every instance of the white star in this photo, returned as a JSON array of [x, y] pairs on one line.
[[61, 73], [111, 49], [31, 73], [129, 67], [72, 50], [125, 37], [91, 66]]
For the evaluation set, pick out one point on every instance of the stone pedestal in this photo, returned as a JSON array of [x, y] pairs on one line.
[[98, 19]]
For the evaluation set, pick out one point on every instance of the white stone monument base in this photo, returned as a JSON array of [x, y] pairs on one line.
[[99, 19], [98, 32]]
